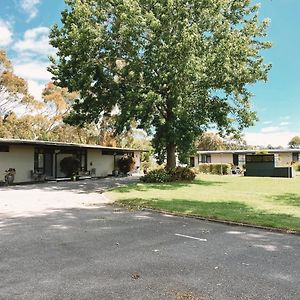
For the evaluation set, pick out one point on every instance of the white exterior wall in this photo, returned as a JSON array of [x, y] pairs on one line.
[[104, 164], [216, 158], [20, 158], [285, 159], [225, 158]]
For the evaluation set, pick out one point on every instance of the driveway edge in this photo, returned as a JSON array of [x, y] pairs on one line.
[[231, 223]]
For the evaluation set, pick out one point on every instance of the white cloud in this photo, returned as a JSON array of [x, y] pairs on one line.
[[35, 89], [34, 70], [284, 123], [271, 129], [285, 118], [272, 138], [5, 34], [31, 60], [30, 7], [36, 41]]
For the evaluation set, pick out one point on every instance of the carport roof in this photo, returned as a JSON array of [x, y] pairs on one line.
[[61, 144]]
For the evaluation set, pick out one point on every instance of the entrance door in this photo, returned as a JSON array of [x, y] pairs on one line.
[[48, 164], [235, 159]]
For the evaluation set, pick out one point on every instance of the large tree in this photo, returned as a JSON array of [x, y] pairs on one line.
[[173, 66]]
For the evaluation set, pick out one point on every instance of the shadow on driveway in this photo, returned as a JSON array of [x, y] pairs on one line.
[[81, 186]]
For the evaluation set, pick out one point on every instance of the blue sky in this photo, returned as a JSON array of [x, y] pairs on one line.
[[24, 28]]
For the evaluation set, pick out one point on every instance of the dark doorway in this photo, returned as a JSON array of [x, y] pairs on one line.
[[235, 159], [192, 161], [48, 164]]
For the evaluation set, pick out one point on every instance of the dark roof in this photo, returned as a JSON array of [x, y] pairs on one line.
[[253, 151], [61, 144]]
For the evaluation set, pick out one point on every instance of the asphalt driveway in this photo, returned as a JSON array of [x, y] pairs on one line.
[[65, 241]]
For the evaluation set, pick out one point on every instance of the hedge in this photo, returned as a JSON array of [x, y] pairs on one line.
[[214, 169]]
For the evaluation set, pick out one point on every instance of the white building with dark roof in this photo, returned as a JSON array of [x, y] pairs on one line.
[[284, 157], [41, 159]]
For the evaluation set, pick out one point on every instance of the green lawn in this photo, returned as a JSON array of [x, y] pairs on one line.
[[273, 202]]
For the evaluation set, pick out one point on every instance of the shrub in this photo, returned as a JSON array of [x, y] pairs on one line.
[[296, 167], [147, 166], [157, 176], [176, 174], [70, 166], [214, 168], [126, 164], [204, 168], [182, 174]]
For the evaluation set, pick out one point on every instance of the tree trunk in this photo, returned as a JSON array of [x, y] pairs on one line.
[[171, 156]]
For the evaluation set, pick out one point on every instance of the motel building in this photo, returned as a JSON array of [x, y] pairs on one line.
[[283, 157], [34, 160]]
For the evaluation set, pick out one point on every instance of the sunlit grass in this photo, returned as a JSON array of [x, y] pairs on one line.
[[271, 202]]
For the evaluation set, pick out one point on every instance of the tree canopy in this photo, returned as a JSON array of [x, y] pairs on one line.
[[175, 67], [13, 89], [213, 141], [294, 143]]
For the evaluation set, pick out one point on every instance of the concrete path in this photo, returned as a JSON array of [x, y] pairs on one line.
[[65, 242]]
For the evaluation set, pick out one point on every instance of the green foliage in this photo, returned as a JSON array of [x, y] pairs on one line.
[[210, 141], [296, 167], [295, 142], [214, 169], [70, 166], [148, 165], [182, 174], [176, 174], [126, 164], [157, 176], [172, 66]]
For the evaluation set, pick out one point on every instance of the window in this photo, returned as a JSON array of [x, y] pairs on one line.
[[206, 158], [82, 157], [295, 157], [4, 148], [39, 160], [260, 158], [242, 159]]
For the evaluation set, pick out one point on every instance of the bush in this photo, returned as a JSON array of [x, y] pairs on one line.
[[126, 164], [70, 166], [176, 174], [214, 169], [147, 166], [157, 176], [204, 168], [296, 167], [182, 174]]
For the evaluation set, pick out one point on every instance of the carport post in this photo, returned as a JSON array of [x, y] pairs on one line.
[[114, 171]]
